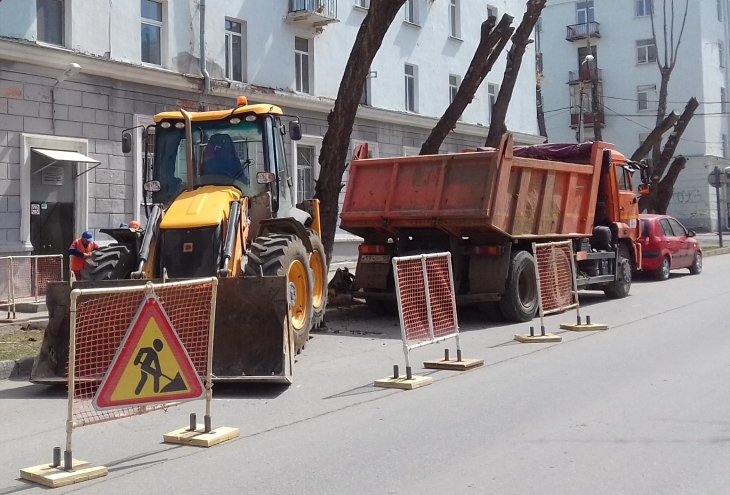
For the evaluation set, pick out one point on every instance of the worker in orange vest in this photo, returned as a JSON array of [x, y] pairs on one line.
[[81, 249]]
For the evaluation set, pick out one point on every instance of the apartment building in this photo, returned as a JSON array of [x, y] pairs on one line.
[[618, 34], [75, 73]]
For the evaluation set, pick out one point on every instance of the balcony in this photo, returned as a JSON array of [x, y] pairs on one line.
[[585, 75], [583, 31], [312, 13]]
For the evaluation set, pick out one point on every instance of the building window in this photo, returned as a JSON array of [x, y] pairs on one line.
[[493, 91], [454, 82], [643, 136], [235, 59], [365, 4], [50, 15], [411, 86], [647, 97], [491, 11], [721, 53], [411, 151], [365, 96], [644, 8], [412, 11], [724, 146], [646, 52], [306, 156], [151, 32], [719, 10], [584, 12], [454, 19], [301, 64], [723, 101]]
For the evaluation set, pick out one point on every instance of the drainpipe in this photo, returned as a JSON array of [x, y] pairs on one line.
[[203, 63]]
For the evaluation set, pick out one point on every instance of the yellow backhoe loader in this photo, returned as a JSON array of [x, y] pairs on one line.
[[220, 203]]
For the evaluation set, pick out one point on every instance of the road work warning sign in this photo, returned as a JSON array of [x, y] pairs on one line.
[[151, 365]]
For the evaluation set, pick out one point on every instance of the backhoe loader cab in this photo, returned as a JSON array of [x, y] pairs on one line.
[[219, 201]]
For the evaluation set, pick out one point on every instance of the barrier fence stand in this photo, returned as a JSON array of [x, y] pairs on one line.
[[427, 310], [23, 280], [549, 294], [133, 350]]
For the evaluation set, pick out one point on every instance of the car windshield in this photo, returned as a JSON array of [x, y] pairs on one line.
[[225, 152]]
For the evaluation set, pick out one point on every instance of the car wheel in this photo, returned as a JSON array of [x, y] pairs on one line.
[[696, 267], [663, 272]]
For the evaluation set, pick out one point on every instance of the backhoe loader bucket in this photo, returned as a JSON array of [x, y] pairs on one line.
[[252, 335]]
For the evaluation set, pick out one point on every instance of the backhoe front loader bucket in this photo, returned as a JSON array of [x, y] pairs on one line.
[[252, 335]]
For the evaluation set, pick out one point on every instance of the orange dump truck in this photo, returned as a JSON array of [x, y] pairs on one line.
[[487, 208]]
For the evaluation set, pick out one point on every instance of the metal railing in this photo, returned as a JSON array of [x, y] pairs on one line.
[[584, 30], [575, 76], [25, 278], [326, 8]]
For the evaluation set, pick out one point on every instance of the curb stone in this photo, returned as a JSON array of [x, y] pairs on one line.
[[14, 368], [716, 252]]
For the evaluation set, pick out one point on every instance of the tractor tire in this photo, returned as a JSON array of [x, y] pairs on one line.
[[621, 288], [519, 302], [285, 255], [318, 264], [114, 262]]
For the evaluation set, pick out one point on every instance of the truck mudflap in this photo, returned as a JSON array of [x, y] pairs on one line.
[[252, 334]]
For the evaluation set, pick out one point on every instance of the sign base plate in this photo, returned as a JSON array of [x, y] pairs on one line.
[[584, 327], [453, 364], [54, 477], [534, 339], [403, 383], [199, 438]]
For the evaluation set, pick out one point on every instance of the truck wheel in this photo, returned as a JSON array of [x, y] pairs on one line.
[[318, 264], [519, 301], [112, 262], [621, 287], [285, 255]]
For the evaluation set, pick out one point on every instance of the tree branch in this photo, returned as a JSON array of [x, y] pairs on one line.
[[520, 40], [490, 47], [666, 186], [681, 32], [654, 137], [673, 141]]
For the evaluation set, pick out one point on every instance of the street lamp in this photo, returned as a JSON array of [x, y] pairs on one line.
[[71, 70]]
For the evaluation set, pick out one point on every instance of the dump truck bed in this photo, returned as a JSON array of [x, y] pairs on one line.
[[522, 193]]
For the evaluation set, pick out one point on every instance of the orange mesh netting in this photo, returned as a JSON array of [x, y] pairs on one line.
[[30, 276], [555, 269], [103, 321], [409, 275], [46, 269], [441, 293]]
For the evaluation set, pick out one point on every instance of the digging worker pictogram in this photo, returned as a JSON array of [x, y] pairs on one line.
[[149, 362]]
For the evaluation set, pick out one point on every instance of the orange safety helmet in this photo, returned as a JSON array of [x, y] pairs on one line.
[[134, 224]]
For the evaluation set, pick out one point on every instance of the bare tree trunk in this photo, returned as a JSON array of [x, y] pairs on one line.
[[651, 202], [596, 104], [661, 108], [666, 185], [491, 44], [520, 40], [654, 137], [540, 110], [333, 155]]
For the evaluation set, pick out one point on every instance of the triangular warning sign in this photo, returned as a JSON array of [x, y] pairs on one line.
[[151, 365]]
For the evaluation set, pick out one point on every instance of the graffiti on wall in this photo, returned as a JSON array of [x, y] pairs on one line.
[[687, 196]]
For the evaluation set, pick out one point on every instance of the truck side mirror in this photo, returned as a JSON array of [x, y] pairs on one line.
[[126, 142], [295, 131]]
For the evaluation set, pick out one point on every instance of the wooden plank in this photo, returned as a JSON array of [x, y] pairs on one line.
[[567, 200], [544, 213], [453, 364], [199, 438], [572, 168], [536, 339], [403, 384], [500, 201], [54, 477], [521, 218]]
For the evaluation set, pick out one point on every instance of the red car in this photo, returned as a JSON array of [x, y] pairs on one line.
[[666, 245]]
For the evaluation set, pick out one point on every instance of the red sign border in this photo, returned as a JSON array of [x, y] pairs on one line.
[[149, 308]]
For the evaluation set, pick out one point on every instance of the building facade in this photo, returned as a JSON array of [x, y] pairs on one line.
[[618, 33], [75, 73]]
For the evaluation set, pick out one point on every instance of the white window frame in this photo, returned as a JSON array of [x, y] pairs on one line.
[[492, 10], [643, 50], [651, 97], [311, 141], [414, 78], [362, 4], [453, 87], [310, 59], [720, 16], [492, 93], [411, 12], [644, 4], [81, 183], [455, 19], [373, 148], [411, 151], [65, 27], [589, 11], [228, 49], [163, 35], [723, 100]]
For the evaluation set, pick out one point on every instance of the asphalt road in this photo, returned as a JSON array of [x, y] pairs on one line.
[[641, 408]]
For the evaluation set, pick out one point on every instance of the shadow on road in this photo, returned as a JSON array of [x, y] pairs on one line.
[[32, 391], [248, 390]]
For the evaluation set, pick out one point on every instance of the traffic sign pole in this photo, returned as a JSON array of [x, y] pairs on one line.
[[717, 172]]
